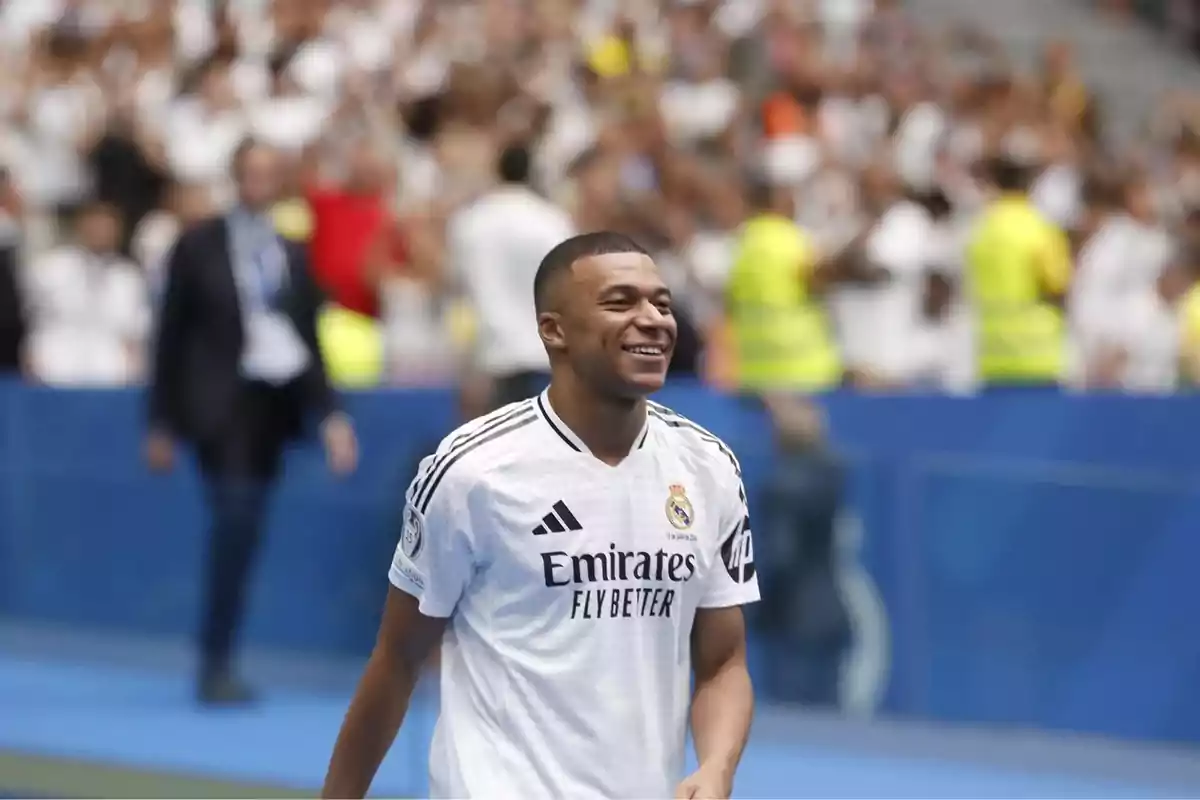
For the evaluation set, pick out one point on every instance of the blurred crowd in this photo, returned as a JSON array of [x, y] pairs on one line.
[[416, 130]]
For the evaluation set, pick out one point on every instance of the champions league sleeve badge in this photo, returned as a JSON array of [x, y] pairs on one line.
[[413, 537], [679, 509]]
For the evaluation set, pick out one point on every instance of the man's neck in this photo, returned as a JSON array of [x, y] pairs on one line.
[[609, 427]]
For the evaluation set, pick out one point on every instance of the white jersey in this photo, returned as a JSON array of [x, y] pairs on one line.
[[571, 588]]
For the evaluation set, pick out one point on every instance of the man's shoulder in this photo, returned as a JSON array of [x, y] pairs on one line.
[[709, 449], [487, 424], [475, 449]]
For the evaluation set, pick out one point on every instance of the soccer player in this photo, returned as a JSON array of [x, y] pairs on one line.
[[580, 556]]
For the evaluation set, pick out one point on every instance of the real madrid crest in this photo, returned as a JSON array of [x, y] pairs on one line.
[[679, 509]]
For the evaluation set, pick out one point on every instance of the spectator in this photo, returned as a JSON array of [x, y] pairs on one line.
[[353, 236], [1141, 350], [636, 120], [238, 374], [1019, 271], [888, 307], [88, 308], [782, 333], [128, 167], [944, 346], [1120, 263], [203, 127], [63, 115], [495, 245], [290, 116]]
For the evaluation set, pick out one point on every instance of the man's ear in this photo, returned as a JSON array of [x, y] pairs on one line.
[[550, 329]]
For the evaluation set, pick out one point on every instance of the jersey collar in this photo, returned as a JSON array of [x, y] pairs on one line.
[[542, 401]]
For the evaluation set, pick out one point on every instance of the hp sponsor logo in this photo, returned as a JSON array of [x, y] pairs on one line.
[[738, 553]]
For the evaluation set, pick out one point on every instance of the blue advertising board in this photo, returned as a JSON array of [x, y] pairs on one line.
[[1021, 559]]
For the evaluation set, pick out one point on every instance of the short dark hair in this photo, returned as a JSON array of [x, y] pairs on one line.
[[1010, 174], [562, 257], [514, 164], [760, 191]]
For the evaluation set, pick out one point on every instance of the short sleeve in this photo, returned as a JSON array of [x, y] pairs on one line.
[[733, 580], [434, 560]]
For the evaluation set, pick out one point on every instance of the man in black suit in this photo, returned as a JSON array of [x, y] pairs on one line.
[[238, 374]]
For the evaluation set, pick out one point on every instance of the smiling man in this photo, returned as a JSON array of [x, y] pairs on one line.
[[580, 555]]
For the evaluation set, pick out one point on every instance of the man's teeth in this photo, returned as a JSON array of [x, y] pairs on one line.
[[646, 350]]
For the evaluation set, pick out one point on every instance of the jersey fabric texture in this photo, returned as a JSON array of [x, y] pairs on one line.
[[571, 587]]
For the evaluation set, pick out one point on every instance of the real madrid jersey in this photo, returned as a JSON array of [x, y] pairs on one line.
[[570, 587]]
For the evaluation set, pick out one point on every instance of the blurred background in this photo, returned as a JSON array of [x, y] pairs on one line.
[[968, 233]]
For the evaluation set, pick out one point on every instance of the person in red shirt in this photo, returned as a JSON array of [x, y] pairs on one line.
[[354, 236]]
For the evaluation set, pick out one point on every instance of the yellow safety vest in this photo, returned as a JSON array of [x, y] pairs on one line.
[[1020, 335], [351, 346], [780, 332], [1189, 349]]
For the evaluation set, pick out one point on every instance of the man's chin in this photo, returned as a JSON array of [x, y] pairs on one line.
[[644, 384]]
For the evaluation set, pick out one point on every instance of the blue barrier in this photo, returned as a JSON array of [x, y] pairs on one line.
[[1035, 553]]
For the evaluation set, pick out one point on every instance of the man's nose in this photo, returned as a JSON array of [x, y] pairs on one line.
[[651, 316]]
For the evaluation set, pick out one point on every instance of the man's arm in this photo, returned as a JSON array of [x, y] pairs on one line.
[[723, 702], [431, 568], [723, 699], [169, 337], [406, 639]]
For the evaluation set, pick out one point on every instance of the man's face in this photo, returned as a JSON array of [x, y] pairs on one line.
[[217, 88], [99, 231], [259, 178], [615, 324]]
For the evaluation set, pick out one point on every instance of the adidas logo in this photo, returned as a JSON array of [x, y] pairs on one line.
[[559, 520]]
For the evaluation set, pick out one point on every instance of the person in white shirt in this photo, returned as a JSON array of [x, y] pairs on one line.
[[494, 246], [294, 113], [944, 353], [1139, 350], [204, 128], [62, 113], [888, 315], [88, 308], [877, 314], [1122, 259], [580, 556]]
